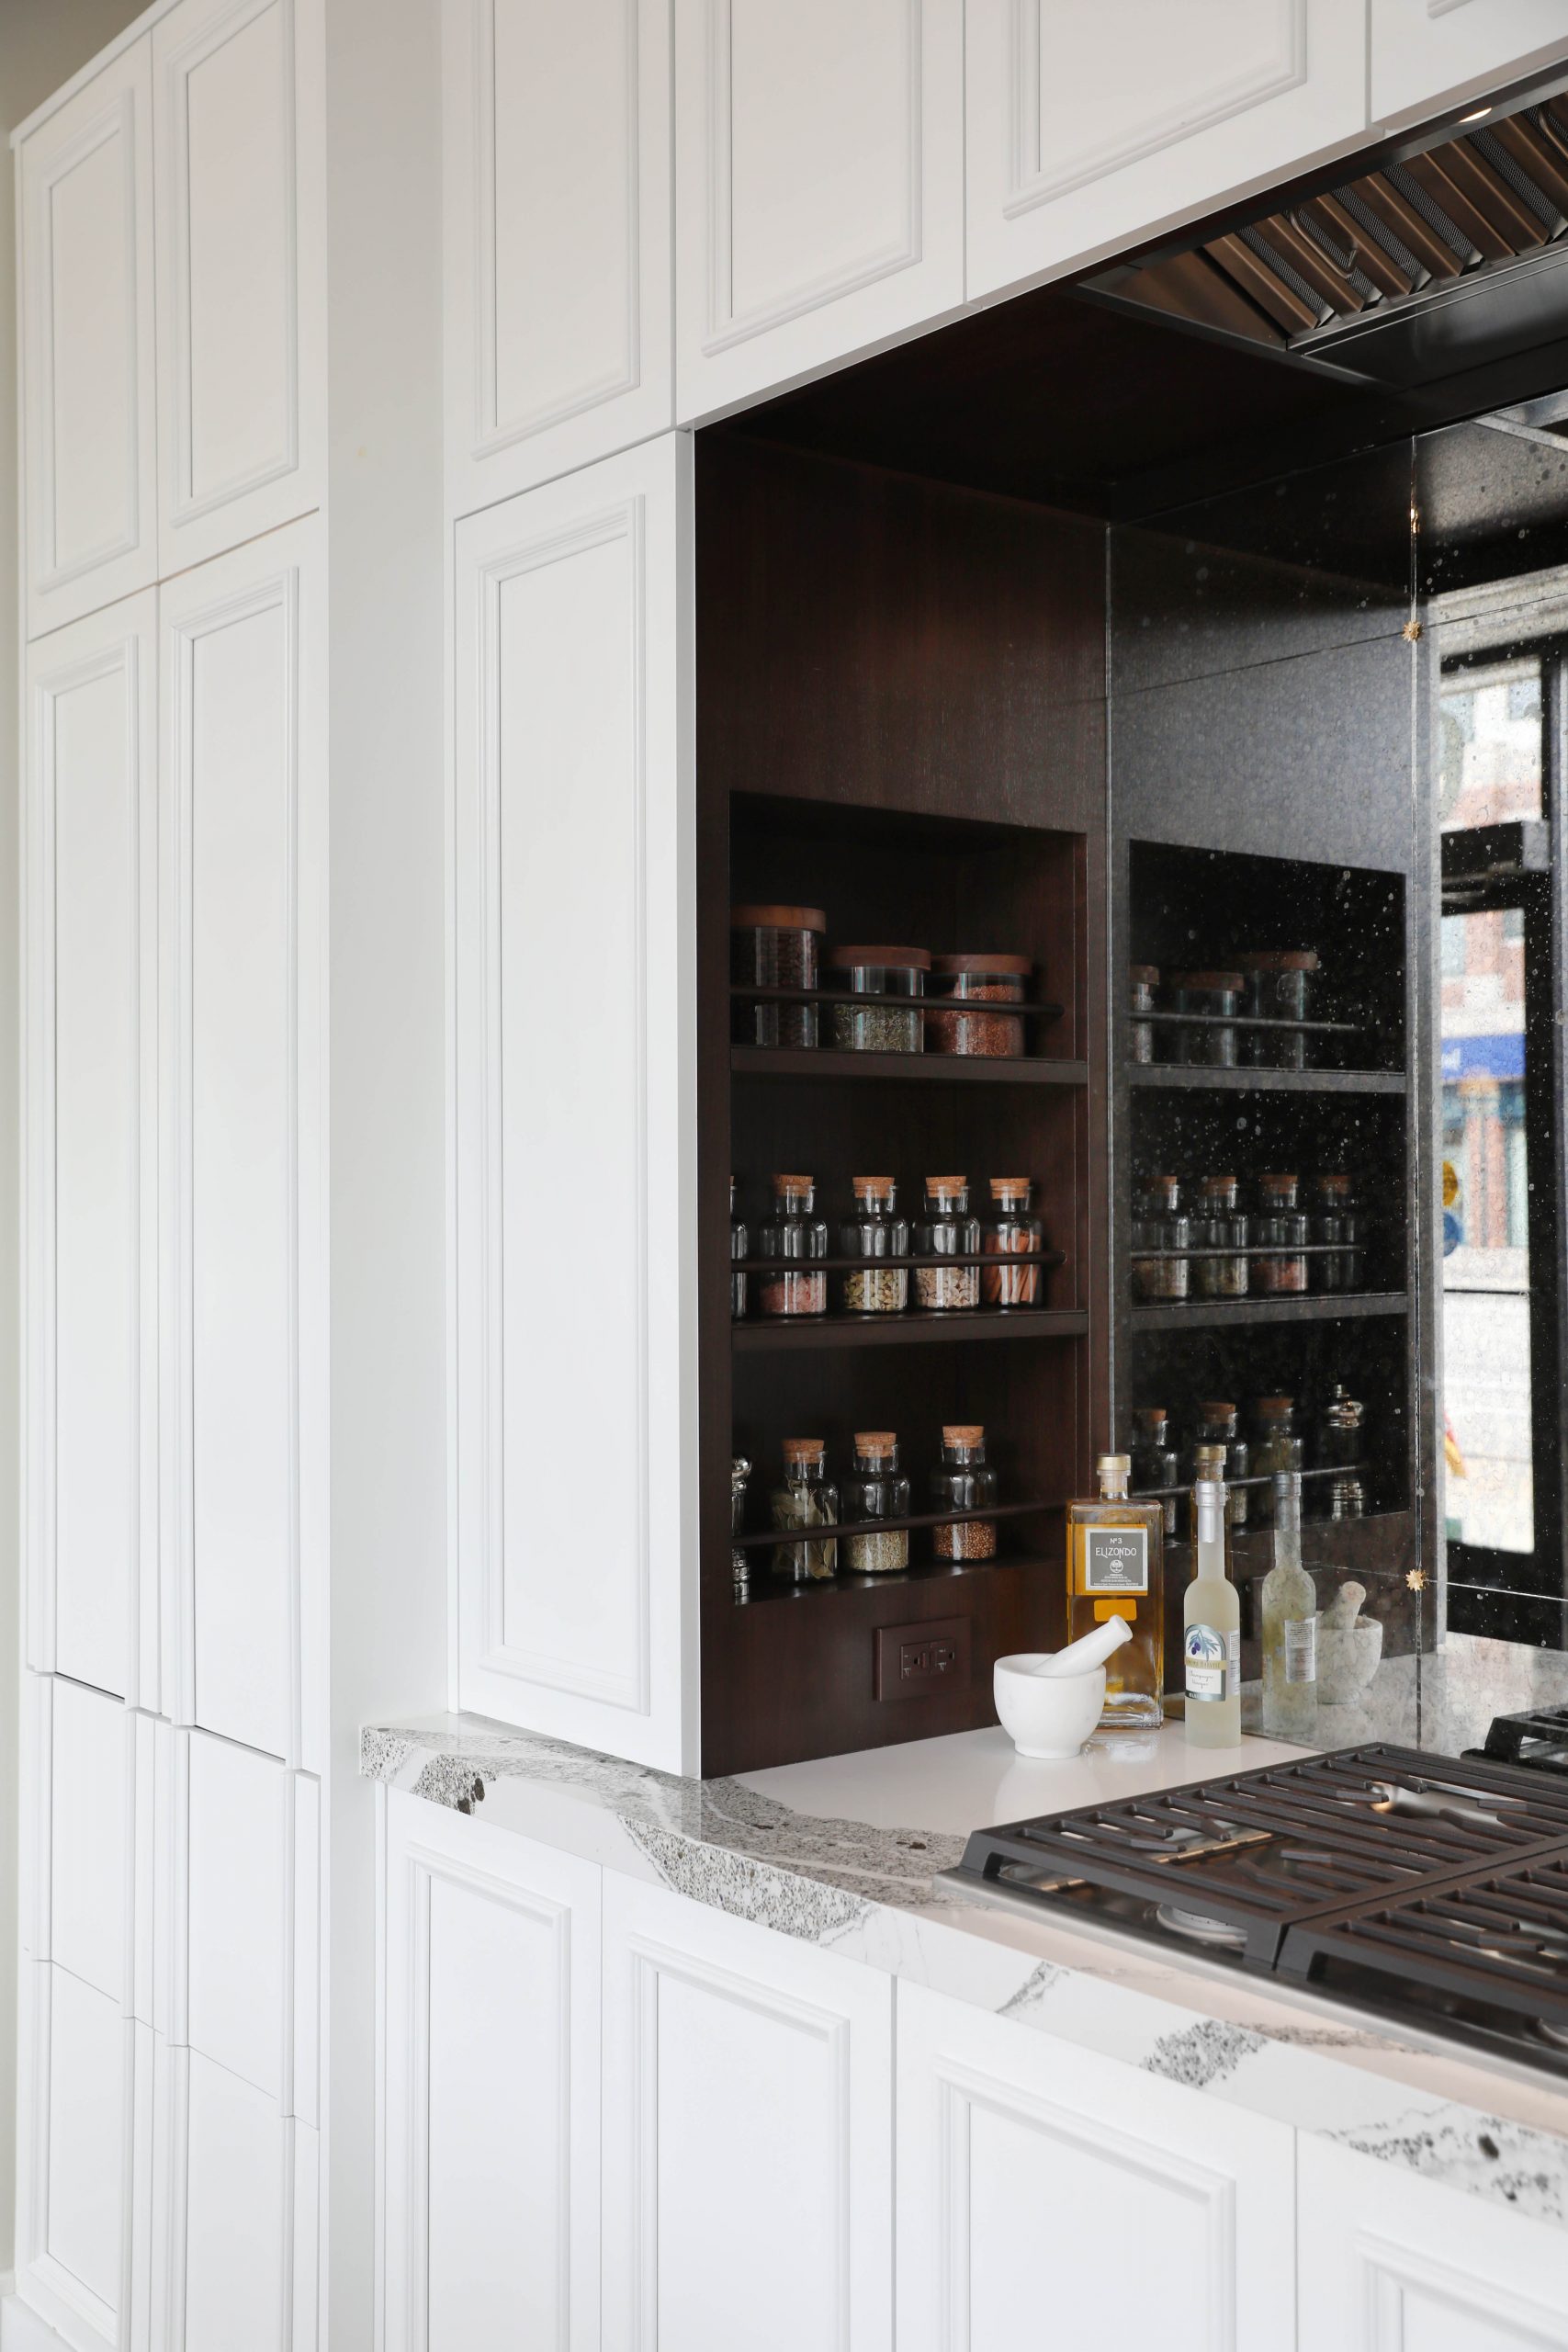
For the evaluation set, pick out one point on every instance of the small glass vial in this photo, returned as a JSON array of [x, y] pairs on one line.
[[1339, 1227], [1278, 1236], [736, 1253], [1011, 1232], [1219, 1224], [793, 1235], [879, 972], [1277, 1450], [1159, 1225], [1115, 1569], [875, 1233], [947, 1230], [1142, 996], [1288, 1604], [873, 1490], [1154, 1461], [739, 1555], [1219, 1426], [962, 1481], [807, 1499]]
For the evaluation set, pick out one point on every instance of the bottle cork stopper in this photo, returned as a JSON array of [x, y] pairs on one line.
[[803, 1449], [961, 1433], [1117, 1464], [863, 1184], [946, 1183], [1000, 1184], [792, 1183], [876, 1441]]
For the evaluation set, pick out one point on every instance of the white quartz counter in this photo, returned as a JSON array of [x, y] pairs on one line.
[[843, 1853]]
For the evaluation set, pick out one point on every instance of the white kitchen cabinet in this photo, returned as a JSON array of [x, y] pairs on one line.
[[573, 833], [1168, 2216], [241, 268], [1088, 127], [90, 1159], [556, 285], [244, 850], [819, 186], [747, 2135], [1392, 2263], [1428, 53], [491, 2099], [89, 417]]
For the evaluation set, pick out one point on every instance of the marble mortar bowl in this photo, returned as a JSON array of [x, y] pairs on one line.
[[1048, 1715]]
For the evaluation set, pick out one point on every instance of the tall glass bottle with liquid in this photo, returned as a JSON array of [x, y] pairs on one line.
[[1115, 1569], [1210, 1646]]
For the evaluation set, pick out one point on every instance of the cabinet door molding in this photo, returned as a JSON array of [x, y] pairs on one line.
[[1431, 53]]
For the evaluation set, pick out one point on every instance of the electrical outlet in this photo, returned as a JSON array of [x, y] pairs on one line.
[[916, 1661]]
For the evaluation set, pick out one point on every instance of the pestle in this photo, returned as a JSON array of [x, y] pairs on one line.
[[1340, 1614], [1089, 1651]]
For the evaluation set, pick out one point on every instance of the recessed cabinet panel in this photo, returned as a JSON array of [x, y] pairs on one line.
[[236, 1896], [819, 198], [90, 1764], [1088, 126], [83, 2100], [1429, 52], [89, 429], [558, 277], [238, 2228]]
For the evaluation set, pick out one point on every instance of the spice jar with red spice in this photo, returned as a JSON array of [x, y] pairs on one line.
[[959, 983], [1011, 1232], [792, 1236]]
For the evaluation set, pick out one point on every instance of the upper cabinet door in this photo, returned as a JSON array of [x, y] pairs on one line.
[[88, 406], [819, 186], [241, 271], [574, 1017], [1088, 126], [1426, 53], [557, 275]]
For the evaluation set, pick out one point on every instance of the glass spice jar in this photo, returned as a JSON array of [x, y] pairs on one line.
[[1159, 1225], [1279, 1236], [874, 1232], [878, 972], [1210, 1041], [1142, 996], [807, 1498], [1339, 1440], [961, 1481], [1279, 988], [1219, 1224], [736, 1253], [793, 1235], [774, 948], [739, 1555], [1219, 1426], [1277, 1451], [1347, 1497], [947, 1230], [1154, 1460], [1011, 1232], [959, 982], [1339, 1225], [873, 1490]]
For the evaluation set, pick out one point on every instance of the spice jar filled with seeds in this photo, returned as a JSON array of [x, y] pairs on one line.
[[1211, 1041], [1159, 1225], [878, 973], [959, 982], [1339, 1227], [774, 948], [1278, 1239], [872, 1491], [1142, 996], [1011, 1232], [1279, 988], [1218, 1425], [963, 1481], [875, 1233], [736, 1253], [947, 1231], [1154, 1460], [793, 1235], [806, 1499], [1219, 1224]]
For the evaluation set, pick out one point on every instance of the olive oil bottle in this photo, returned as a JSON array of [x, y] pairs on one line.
[[1115, 1569]]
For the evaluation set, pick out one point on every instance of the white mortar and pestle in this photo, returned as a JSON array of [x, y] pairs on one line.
[[1050, 1701]]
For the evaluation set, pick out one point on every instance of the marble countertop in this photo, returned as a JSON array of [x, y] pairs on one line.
[[846, 1853]]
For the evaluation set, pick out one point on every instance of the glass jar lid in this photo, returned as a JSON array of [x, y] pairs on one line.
[[876, 1446], [796, 1191], [868, 1189], [1143, 975], [1212, 983], [952, 1191], [892, 959], [804, 1452], [1274, 1409], [1000, 967], [1280, 959], [1011, 1191], [777, 919], [963, 1437]]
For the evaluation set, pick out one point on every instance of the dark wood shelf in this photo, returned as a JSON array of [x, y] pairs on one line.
[[1032, 1007], [924, 1069], [757, 1538], [1234, 1314], [1184, 1075], [765, 1586], [912, 1327]]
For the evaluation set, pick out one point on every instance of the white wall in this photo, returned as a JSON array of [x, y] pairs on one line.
[[42, 42]]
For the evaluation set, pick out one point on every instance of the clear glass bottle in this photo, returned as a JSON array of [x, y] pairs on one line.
[[878, 973], [1339, 1226], [1115, 1569], [807, 1498], [1279, 1235], [962, 1480], [1219, 1224], [793, 1235], [1158, 1225], [1011, 1232], [776, 947], [737, 1252], [875, 1232], [947, 1230], [1341, 1435], [1288, 1605], [1211, 1618], [1220, 1424], [1276, 1448], [875, 1490], [1142, 996], [739, 1555], [1154, 1460]]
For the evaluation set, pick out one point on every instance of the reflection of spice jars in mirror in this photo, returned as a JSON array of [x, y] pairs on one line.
[[1277, 1450], [1219, 1426], [1279, 988], [947, 1230], [879, 972], [960, 982], [1278, 1236], [1339, 1226], [1216, 998], [1159, 1225], [793, 1235], [774, 948], [962, 1481], [1219, 1224], [739, 1557], [1341, 1435], [807, 1499], [1154, 1460], [1011, 1232], [736, 1253], [1142, 996], [873, 1490], [875, 1233]]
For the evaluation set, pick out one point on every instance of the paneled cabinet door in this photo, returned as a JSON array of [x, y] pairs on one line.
[[575, 1107], [1393, 2263], [747, 2135], [819, 186], [88, 407], [558, 282], [1088, 126], [1429, 52], [90, 1028], [1168, 2216], [241, 268], [491, 2088]]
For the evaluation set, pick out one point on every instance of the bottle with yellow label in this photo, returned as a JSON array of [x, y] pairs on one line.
[[1115, 1569]]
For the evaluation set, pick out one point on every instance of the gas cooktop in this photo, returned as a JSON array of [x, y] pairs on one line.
[[1429, 1889]]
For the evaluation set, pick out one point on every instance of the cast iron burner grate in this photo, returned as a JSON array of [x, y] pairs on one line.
[[1538, 1737]]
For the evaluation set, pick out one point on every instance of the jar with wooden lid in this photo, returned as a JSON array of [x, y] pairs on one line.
[[1154, 1461], [947, 1230], [878, 973], [1339, 1227], [1279, 1238], [1161, 1228], [737, 1242], [1143, 997], [792, 1236], [1341, 1438], [962, 1480], [1279, 988], [1219, 1224], [774, 948], [874, 1232], [1277, 1450], [875, 1490], [1219, 1430], [807, 1498], [1012, 1232], [960, 982], [1209, 1041]]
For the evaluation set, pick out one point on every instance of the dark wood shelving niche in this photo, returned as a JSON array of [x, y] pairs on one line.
[[1242, 1314], [913, 1070], [916, 1328], [1184, 1077]]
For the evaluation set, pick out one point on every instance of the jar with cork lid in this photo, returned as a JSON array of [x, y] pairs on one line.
[[1279, 1238], [963, 985], [792, 1235], [872, 1491], [962, 1480], [806, 1499], [774, 948], [875, 1233], [947, 1231], [878, 973], [1011, 1232]]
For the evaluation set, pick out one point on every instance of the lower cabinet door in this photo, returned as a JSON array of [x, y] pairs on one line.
[[1048, 2196], [491, 2088], [748, 2136], [1390, 2262]]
